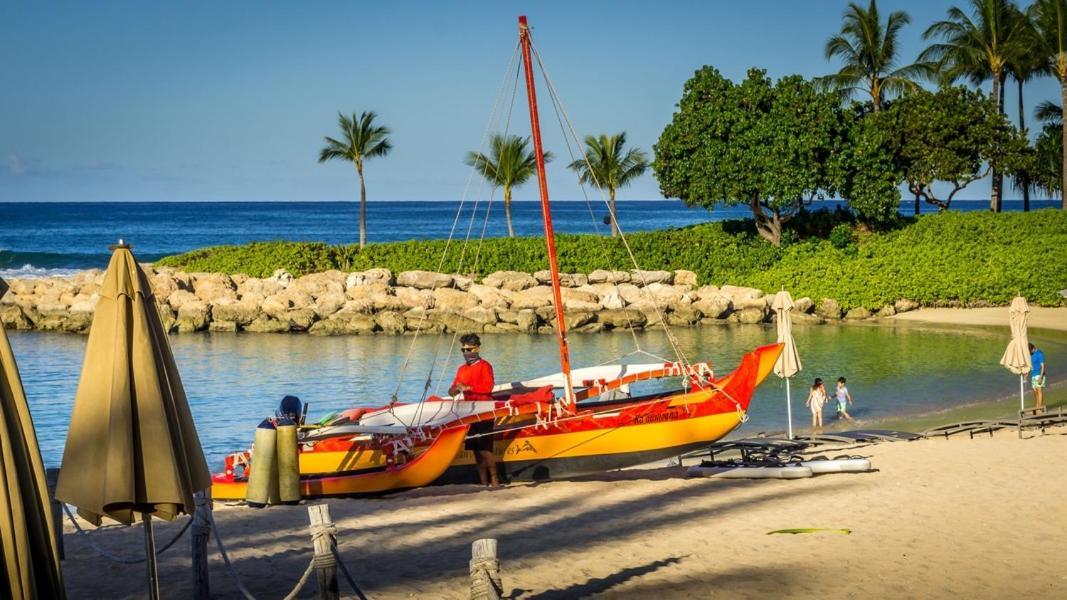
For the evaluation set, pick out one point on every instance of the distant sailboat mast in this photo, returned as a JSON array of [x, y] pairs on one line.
[[546, 211]]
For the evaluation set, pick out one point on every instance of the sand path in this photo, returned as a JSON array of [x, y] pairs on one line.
[[1041, 317], [974, 518]]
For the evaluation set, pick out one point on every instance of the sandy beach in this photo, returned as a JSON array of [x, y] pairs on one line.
[[1041, 317], [979, 518]]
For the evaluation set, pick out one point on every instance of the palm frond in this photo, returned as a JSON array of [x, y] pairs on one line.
[[1049, 112]]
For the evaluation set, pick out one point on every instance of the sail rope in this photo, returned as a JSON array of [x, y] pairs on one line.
[[672, 340], [512, 62]]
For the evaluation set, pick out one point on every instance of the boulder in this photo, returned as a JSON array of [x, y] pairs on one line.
[[510, 280], [573, 319], [229, 326], [534, 297], [828, 308], [462, 282], [581, 306], [612, 300], [167, 317], [414, 298], [760, 303], [708, 290], [453, 300], [265, 324], [683, 277], [737, 294], [258, 288], [639, 277], [390, 322], [807, 318], [422, 321], [378, 275], [751, 315], [329, 303], [887, 311], [714, 306], [905, 305], [594, 327], [181, 297], [684, 316], [12, 317], [526, 320], [569, 294], [622, 318], [345, 323], [423, 280], [567, 280], [491, 297], [665, 294], [858, 313], [602, 276], [803, 305], [481, 314], [282, 277], [288, 299], [299, 319], [317, 284], [193, 316], [370, 293], [241, 312], [456, 323], [84, 304], [22, 287], [210, 287]]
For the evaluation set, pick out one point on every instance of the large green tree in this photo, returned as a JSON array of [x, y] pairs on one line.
[[1048, 150], [866, 172], [977, 48], [360, 140], [868, 49], [951, 136], [1049, 18], [768, 145], [510, 163], [608, 166]]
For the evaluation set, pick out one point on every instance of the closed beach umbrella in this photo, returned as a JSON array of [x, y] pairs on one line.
[[1017, 355], [788, 363], [27, 542], [132, 446]]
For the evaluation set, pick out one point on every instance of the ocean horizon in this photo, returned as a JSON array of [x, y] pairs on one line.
[[41, 239]]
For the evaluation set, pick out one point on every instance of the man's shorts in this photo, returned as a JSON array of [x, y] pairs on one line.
[[1037, 382]]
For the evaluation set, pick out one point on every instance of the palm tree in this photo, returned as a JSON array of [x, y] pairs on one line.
[[362, 139], [510, 164], [608, 168], [1024, 66], [1049, 18], [869, 50], [977, 49]]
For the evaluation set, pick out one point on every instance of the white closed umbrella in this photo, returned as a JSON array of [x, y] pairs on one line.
[[1017, 355], [788, 363]]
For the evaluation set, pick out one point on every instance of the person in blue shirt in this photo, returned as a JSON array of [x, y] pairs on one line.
[[1037, 377]]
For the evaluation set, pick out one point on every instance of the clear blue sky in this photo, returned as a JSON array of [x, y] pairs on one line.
[[230, 100]]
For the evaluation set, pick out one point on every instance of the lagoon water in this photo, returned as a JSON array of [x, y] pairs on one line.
[[234, 380]]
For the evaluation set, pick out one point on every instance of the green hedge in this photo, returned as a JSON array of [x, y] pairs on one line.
[[966, 258]]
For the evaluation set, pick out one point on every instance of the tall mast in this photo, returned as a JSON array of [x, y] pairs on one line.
[[546, 212]]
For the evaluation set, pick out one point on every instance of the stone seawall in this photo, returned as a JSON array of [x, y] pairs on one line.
[[379, 301]]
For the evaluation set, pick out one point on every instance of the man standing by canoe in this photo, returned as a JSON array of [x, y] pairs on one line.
[[1037, 377], [474, 380]]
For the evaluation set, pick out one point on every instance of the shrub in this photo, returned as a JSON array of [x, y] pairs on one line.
[[950, 258]]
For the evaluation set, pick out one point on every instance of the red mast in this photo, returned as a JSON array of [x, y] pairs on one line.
[[546, 211]]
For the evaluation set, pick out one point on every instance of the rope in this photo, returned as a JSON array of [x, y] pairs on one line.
[[114, 557], [303, 581], [626, 244], [226, 559], [348, 576], [485, 579]]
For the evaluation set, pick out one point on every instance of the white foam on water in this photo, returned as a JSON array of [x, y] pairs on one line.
[[31, 272]]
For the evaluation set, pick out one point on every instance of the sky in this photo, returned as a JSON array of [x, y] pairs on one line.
[[229, 101]]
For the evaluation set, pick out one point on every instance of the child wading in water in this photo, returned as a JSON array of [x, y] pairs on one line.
[[843, 400], [816, 399]]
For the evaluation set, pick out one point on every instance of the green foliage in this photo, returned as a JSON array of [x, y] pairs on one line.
[[965, 258], [951, 135], [867, 173], [760, 143], [841, 236], [868, 50], [1047, 173]]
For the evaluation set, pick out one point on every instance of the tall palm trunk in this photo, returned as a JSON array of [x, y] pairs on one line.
[[1024, 179], [916, 204], [507, 209], [998, 181], [362, 208], [876, 95], [614, 216], [1063, 173]]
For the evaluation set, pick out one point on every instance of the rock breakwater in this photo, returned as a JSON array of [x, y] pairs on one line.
[[379, 301]]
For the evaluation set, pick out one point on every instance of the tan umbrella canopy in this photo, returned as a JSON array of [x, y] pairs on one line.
[[27, 542], [788, 363], [1017, 355], [132, 447]]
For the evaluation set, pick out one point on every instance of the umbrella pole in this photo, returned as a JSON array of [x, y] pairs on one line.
[[1022, 395], [788, 408], [150, 557]]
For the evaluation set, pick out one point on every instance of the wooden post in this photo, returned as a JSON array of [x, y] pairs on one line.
[[51, 477], [485, 571], [200, 535], [322, 531]]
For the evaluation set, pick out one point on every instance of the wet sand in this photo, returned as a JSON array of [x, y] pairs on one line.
[[977, 518]]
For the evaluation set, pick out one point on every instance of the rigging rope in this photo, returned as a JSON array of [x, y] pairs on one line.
[[114, 557]]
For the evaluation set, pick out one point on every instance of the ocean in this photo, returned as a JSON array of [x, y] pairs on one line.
[[42, 239]]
